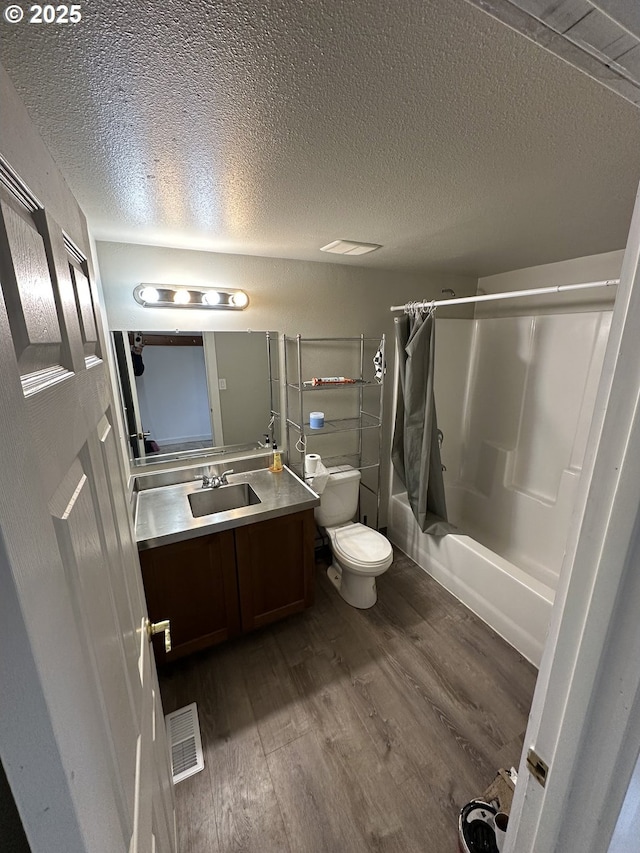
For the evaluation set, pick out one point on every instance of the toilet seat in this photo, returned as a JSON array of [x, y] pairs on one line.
[[359, 548]]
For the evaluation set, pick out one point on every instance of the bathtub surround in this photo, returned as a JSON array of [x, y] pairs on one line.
[[515, 396], [537, 362], [529, 400]]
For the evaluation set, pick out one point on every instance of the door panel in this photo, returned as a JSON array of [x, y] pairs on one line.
[[72, 611], [76, 524], [71, 353], [30, 302], [85, 312], [127, 580]]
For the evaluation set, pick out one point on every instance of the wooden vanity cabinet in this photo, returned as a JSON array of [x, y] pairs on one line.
[[216, 586], [193, 584], [275, 568]]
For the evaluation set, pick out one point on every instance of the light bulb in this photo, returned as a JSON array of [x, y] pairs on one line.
[[149, 294], [211, 297], [182, 297], [239, 299]]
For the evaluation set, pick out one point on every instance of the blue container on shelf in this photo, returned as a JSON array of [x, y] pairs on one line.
[[316, 420]]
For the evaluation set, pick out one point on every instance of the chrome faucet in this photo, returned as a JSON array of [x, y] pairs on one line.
[[215, 481]]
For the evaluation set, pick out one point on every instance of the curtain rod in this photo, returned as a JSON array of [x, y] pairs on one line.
[[559, 288]]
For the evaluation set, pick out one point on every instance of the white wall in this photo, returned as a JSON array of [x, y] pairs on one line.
[[330, 299], [313, 299], [245, 401], [515, 434], [575, 271]]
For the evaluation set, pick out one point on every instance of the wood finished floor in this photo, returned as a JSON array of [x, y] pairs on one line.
[[340, 730]]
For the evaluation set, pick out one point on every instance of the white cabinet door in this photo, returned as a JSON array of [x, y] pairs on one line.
[[81, 738]]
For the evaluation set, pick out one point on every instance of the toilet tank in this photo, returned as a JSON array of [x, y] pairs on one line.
[[339, 501]]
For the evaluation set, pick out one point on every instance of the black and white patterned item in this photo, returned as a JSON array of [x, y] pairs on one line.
[[476, 828], [380, 367]]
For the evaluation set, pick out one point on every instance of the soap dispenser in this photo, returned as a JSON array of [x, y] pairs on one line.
[[276, 465]]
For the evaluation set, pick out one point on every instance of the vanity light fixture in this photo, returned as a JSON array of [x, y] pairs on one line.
[[149, 294], [180, 296], [240, 299], [212, 297]]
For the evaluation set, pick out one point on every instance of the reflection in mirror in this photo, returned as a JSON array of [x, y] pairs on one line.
[[184, 394]]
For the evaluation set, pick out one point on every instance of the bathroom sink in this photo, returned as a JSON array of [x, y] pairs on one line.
[[210, 501]]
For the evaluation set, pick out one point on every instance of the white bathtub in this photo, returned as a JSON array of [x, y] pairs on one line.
[[514, 604]]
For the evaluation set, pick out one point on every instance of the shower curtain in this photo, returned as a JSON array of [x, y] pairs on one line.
[[416, 449]]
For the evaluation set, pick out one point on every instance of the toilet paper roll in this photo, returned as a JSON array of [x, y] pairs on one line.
[[311, 462]]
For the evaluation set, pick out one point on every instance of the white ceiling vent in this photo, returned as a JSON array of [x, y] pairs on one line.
[[185, 743], [347, 247]]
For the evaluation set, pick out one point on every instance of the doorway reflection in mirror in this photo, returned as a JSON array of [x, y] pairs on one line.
[[187, 392]]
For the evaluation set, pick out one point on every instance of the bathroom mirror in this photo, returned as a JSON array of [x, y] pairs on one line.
[[186, 394]]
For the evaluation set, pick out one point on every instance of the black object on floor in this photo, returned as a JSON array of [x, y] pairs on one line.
[[476, 828]]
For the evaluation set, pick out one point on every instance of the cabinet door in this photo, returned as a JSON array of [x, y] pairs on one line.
[[193, 584], [275, 568]]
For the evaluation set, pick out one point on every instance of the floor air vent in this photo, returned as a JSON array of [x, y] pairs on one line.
[[183, 729]]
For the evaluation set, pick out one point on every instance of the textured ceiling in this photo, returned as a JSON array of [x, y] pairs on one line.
[[601, 37], [274, 127]]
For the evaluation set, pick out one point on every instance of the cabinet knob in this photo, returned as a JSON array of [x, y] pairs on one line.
[[163, 627]]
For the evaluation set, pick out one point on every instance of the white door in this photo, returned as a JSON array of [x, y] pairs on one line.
[[585, 719], [82, 735]]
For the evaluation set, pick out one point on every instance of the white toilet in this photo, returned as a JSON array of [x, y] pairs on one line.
[[360, 554]]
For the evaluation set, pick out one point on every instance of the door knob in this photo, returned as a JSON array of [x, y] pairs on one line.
[[163, 627]]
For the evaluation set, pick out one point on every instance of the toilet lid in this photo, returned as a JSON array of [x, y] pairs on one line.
[[360, 544]]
